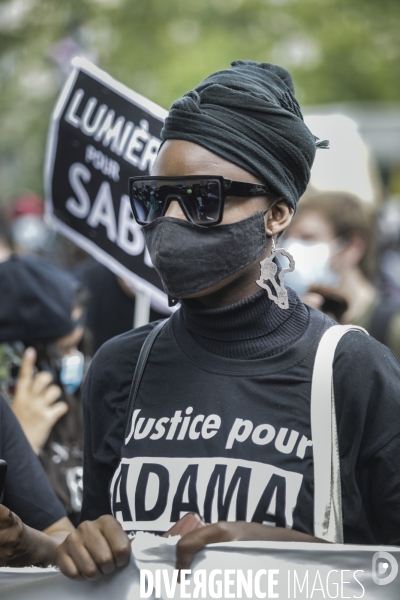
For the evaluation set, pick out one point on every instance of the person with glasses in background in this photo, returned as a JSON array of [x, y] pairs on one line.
[[220, 423]]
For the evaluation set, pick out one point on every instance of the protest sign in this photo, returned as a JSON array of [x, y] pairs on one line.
[[101, 133]]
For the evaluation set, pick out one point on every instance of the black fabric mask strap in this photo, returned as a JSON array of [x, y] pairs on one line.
[[271, 206]]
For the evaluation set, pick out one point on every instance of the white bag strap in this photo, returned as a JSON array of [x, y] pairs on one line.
[[328, 520]]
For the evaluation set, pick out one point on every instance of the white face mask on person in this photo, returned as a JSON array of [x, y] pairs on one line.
[[71, 373], [313, 264], [30, 233]]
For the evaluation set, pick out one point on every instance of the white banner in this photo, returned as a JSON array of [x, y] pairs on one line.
[[233, 570]]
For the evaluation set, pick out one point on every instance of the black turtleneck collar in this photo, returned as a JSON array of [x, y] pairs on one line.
[[253, 328]]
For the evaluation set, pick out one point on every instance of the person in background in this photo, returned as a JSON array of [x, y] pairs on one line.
[[111, 305], [32, 519], [332, 240], [42, 315], [29, 232]]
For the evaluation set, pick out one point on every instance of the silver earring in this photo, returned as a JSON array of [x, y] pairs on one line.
[[268, 273]]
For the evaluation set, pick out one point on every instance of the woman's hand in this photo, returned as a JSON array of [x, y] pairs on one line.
[[14, 545], [35, 403], [186, 524], [237, 531], [93, 549], [21, 546]]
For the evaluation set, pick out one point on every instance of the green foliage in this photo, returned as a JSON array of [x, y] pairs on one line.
[[337, 50]]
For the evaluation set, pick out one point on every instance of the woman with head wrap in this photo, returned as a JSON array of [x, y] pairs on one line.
[[220, 423]]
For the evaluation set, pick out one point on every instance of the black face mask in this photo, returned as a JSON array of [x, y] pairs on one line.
[[189, 258]]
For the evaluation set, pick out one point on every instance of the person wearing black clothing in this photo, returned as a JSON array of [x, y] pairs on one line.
[[221, 422], [30, 512], [217, 372], [42, 314]]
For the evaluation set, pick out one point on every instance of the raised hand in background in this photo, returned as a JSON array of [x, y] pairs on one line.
[[35, 402]]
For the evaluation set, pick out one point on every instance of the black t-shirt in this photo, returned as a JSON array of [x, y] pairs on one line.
[[231, 438], [27, 491], [110, 310]]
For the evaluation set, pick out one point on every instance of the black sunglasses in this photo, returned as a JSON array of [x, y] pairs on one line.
[[201, 197]]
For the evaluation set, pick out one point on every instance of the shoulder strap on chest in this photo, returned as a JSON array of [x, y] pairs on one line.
[[328, 520], [138, 374]]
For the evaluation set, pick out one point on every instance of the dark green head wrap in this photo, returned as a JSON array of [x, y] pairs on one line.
[[249, 116]]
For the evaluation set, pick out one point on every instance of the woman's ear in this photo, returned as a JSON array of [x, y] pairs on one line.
[[278, 218]]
